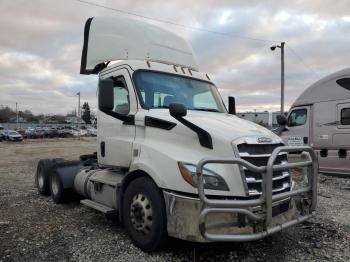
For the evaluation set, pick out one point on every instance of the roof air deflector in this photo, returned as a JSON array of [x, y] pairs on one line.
[[120, 38]]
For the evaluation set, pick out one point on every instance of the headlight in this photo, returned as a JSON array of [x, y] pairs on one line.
[[211, 180]]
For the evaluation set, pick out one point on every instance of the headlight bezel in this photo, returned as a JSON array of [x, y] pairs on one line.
[[188, 173]]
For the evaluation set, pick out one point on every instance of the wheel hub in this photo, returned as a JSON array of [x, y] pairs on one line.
[[41, 179], [54, 185], [141, 214]]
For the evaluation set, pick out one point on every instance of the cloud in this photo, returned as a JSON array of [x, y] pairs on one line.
[[41, 42]]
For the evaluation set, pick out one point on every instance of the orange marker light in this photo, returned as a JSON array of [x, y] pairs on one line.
[[186, 174]]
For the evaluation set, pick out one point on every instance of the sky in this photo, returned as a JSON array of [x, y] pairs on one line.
[[41, 43]]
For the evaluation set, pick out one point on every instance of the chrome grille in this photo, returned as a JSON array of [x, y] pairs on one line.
[[258, 154]]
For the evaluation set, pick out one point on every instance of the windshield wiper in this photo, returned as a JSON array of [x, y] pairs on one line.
[[205, 109], [159, 107]]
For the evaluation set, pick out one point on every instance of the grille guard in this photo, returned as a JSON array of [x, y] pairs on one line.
[[266, 199]]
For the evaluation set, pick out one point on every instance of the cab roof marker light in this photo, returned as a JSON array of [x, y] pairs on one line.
[[175, 68], [148, 64], [207, 76], [183, 70]]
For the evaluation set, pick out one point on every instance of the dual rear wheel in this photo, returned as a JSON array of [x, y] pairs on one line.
[[48, 182], [143, 207]]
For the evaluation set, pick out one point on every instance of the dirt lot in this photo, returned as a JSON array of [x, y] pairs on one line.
[[32, 228]]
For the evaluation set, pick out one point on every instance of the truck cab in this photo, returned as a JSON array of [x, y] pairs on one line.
[[171, 159], [319, 118]]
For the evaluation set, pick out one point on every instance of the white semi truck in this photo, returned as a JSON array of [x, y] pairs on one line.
[[320, 117], [171, 160]]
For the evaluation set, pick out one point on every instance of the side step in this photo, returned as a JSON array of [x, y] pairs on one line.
[[97, 206]]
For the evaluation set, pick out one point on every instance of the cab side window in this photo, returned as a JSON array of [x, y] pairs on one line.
[[121, 96], [297, 117], [345, 116]]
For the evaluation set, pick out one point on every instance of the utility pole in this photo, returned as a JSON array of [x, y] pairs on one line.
[[281, 46], [78, 104], [78, 117], [282, 78], [17, 114]]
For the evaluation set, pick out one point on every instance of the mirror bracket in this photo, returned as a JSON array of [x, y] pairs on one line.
[[178, 111]]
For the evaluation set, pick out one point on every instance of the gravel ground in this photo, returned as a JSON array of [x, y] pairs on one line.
[[33, 228]]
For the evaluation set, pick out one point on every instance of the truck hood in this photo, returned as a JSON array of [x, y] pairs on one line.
[[220, 125]]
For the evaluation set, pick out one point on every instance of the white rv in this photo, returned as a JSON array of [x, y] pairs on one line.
[[171, 160], [320, 117]]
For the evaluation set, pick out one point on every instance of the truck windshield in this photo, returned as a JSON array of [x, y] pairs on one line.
[[159, 90]]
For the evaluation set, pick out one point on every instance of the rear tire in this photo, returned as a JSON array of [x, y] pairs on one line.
[[144, 214], [43, 174], [58, 193]]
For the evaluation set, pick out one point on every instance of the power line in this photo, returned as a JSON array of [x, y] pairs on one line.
[[302, 61], [197, 29], [176, 24]]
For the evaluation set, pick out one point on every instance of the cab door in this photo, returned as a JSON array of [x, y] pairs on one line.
[[297, 132], [115, 136]]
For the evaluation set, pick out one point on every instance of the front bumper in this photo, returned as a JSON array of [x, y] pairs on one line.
[[203, 219], [16, 139]]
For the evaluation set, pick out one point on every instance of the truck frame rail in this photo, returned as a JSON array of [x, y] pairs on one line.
[[310, 169]]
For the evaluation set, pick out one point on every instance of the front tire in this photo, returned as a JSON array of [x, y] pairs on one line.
[[144, 214]]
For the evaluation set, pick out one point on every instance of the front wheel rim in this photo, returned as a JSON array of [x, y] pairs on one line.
[[141, 214]]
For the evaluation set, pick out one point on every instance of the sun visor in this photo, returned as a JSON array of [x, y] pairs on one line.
[[118, 38]]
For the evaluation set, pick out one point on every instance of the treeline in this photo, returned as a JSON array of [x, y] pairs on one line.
[[7, 115]]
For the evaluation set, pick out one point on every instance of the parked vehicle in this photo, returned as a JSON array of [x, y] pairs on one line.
[[11, 135], [64, 133], [50, 132], [320, 117], [83, 132], [30, 132], [22, 133], [91, 132], [171, 160]]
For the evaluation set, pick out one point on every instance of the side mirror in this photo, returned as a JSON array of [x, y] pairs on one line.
[[282, 120], [177, 110], [231, 105], [105, 95]]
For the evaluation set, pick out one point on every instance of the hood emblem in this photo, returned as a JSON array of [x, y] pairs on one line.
[[264, 140]]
